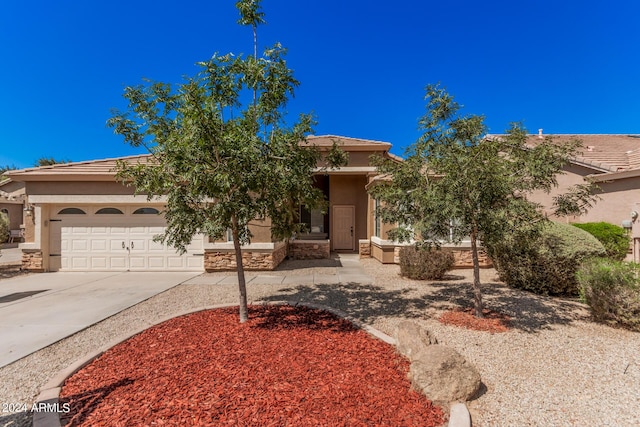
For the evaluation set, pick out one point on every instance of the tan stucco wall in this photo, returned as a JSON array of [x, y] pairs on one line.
[[15, 214], [80, 187], [616, 202], [350, 190]]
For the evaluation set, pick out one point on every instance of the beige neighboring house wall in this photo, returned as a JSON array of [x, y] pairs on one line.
[[612, 162]]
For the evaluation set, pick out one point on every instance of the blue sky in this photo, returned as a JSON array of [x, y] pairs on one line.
[[565, 66]]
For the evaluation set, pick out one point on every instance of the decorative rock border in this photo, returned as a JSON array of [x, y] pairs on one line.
[[49, 397]]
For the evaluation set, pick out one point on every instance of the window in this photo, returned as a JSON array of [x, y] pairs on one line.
[[109, 211], [313, 219], [146, 211], [72, 211]]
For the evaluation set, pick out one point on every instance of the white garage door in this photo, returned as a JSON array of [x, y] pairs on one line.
[[117, 242]]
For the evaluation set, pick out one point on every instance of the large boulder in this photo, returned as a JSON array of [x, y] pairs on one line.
[[412, 338], [444, 375]]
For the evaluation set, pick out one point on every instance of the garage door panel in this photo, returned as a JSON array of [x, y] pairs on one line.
[[156, 262], [194, 262], [79, 245], [137, 262], [96, 243], [79, 262], [175, 262], [117, 262], [99, 262]]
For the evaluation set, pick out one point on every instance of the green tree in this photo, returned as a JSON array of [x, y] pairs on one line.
[[4, 169], [49, 161], [221, 151], [459, 183]]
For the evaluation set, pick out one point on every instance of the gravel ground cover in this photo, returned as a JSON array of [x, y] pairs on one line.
[[553, 368]]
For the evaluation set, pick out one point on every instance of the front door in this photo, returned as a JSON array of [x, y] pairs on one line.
[[343, 224]]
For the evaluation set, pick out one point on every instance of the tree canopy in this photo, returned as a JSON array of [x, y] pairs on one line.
[[221, 151], [458, 183], [49, 161]]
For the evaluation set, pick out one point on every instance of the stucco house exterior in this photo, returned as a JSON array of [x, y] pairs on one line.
[[612, 162], [78, 217], [12, 197]]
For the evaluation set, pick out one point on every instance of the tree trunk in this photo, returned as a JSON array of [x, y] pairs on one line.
[[242, 285], [477, 292]]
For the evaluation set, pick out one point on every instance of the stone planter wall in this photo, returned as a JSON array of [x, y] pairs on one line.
[[389, 253], [364, 248], [309, 249], [225, 260], [465, 260], [32, 261]]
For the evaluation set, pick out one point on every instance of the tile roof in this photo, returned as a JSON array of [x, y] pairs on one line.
[[103, 169], [95, 168], [345, 141], [603, 152]]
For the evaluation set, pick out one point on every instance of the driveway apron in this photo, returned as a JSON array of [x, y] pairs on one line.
[[40, 309]]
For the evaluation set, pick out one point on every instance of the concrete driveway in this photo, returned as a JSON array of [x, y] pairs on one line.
[[68, 303]]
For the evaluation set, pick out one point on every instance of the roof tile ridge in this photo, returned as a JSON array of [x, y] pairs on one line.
[[349, 137]]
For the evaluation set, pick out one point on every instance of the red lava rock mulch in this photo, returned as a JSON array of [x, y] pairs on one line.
[[286, 366], [492, 322]]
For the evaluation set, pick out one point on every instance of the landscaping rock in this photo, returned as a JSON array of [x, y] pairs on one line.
[[412, 339], [444, 375]]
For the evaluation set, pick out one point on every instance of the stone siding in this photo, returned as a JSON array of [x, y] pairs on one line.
[[309, 249], [462, 255], [464, 258], [224, 260], [32, 261], [364, 248]]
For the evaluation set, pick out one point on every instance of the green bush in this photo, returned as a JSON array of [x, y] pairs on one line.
[[546, 264], [4, 227], [425, 263], [614, 238], [612, 290]]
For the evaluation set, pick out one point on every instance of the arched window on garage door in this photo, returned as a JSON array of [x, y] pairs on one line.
[[72, 211], [109, 211], [146, 211]]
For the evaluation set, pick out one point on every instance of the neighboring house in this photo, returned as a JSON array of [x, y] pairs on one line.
[[79, 218], [12, 197], [612, 162]]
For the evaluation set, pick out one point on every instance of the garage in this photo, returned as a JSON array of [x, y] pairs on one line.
[[115, 238]]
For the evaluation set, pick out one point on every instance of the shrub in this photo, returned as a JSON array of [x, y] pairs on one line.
[[425, 263], [546, 264], [612, 290], [4, 227], [614, 238]]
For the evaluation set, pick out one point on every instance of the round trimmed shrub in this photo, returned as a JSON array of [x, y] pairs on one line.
[[425, 263], [615, 239], [612, 290], [546, 264]]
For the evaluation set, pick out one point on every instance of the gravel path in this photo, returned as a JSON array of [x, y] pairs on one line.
[[555, 368]]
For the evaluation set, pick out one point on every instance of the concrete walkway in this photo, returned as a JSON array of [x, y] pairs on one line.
[[62, 304], [10, 255], [342, 268]]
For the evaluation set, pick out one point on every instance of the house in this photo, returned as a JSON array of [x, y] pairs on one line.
[[12, 197], [612, 162], [78, 217]]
